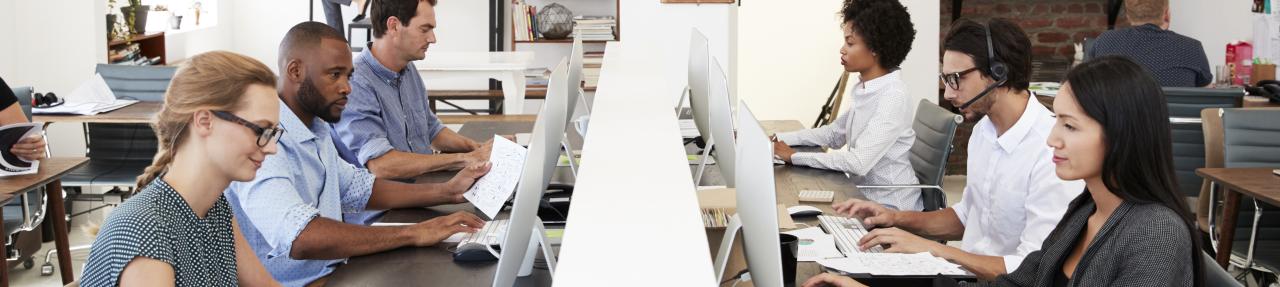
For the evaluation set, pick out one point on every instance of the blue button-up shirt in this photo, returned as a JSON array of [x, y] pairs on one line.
[[386, 110], [305, 179]]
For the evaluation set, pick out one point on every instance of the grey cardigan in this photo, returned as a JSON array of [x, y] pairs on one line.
[[1141, 244]]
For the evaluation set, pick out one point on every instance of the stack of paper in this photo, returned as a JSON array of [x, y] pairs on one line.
[[91, 98], [893, 264], [492, 190], [594, 28]]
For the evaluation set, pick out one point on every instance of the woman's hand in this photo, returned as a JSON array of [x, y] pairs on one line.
[[29, 148]]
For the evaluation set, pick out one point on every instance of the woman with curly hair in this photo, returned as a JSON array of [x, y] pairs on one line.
[[874, 135]]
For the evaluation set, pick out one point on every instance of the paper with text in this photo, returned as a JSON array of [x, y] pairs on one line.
[[893, 264], [492, 190]]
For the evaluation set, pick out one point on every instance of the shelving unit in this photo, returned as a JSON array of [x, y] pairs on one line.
[[150, 45], [549, 52]]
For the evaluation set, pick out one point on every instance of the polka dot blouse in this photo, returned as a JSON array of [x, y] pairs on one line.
[[158, 224]]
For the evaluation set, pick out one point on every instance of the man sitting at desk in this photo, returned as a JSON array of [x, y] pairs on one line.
[[291, 213], [1174, 60], [389, 126], [1012, 198]]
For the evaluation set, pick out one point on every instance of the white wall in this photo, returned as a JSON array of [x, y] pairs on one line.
[[663, 31], [1214, 23], [7, 30], [788, 55], [180, 45], [56, 60]]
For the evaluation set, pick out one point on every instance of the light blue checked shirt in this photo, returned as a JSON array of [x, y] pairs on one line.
[[386, 110], [305, 179]]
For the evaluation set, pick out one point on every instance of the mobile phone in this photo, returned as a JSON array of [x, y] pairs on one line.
[[1276, 171]]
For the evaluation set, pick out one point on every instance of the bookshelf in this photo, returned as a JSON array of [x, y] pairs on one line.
[[150, 46], [548, 52]]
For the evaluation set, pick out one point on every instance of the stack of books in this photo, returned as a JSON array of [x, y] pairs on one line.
[[130, 55], [523, 19], [591, 62], [594, 28]]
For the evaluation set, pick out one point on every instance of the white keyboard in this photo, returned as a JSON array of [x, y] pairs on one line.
[[817, 195], [847, 232], [492, 233]]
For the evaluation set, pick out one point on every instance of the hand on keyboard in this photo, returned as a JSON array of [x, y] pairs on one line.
[[433, 231], [873, 214], [899, 241]]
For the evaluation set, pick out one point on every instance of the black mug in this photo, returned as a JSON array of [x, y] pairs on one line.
[[790, 246]]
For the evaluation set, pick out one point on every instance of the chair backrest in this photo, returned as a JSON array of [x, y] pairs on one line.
[[935, 127], [24, 99], [1211, 120], [1185, 106], [143, 83], [1251, 138], [128, 142]]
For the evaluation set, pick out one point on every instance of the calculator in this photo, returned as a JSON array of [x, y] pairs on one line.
[[817, 195]]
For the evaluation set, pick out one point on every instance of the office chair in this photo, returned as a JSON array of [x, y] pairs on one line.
[[935, 127], [23, 215], [1251, 139], [1185, 105], [117, 153]]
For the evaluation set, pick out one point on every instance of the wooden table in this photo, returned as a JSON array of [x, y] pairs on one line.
[[1259, 183], [51, 170], [138, 113], [434, 266]]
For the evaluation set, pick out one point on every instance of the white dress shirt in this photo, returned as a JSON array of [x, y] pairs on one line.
[[871, 141], [1012, 198]]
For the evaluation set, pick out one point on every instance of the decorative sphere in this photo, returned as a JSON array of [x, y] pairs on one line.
[[555, 22]]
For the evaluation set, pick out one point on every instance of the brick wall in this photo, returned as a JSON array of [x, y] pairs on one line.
[[1053, 26]]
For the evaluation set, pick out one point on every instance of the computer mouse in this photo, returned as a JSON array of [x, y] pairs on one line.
[[803, 210], [473, 252]]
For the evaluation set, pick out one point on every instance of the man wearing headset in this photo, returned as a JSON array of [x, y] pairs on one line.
[[1012, 197]]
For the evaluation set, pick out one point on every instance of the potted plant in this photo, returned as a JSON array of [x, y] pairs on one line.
[[111, 20], [135, 16]]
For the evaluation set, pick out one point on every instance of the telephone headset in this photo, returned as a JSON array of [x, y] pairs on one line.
[[997, 69], [1266, 88], [46, 100]]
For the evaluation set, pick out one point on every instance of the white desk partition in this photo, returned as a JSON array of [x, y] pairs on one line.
[[635, 219], [507, 67]]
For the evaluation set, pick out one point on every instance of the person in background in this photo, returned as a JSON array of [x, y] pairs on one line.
[[1173, 59], [30, 148]]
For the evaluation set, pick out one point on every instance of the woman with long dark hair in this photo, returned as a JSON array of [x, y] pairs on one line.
[[1130, 227]]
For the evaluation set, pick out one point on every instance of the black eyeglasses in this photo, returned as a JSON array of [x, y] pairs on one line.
[[265, 135], [952, 80]]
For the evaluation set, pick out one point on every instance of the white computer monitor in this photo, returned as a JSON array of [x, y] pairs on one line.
[[699, 60], [575, 97], [524, 229], [720, 116], [757, 206]]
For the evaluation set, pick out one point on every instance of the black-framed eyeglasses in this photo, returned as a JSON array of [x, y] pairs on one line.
[[265, 135], [952, 80]]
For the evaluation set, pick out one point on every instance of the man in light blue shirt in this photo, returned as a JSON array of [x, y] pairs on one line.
[[291, 212], [388, 125]]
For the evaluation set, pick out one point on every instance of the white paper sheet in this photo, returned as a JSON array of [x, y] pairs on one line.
[[689, 129], [91, 98], [893, 264], [815, 245], [492, 190]]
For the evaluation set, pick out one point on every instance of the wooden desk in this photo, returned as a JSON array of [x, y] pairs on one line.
[[138, 113], [1258, 183], [51, 170], [434, 266]]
